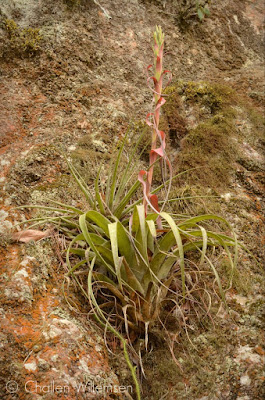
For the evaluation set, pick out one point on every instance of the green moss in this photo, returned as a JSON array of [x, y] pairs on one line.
[[173, 120], [209, 148], [257, 119], [72, 3], [160, 368], [11, 27], [214, 96], [257, 308], [25, 41], [243, 279], [201, 357]]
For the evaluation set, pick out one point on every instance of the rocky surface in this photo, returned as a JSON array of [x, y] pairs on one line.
[[75, 91]]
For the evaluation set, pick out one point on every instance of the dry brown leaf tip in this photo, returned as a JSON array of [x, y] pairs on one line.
[[30, 234]]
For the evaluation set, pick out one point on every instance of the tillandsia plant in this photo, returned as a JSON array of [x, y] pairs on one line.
[[139, 261]]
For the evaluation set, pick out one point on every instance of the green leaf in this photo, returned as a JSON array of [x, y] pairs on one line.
[[69, 248], [118, 212], [81, 183], [133, 282], [204, 247], [99, 219], [166, 267], [135, 221], [125, 246], [76, 266], [151, 235], [206, 10], [139, 226], [89, 240], [115, 250], [194, 220], [173, 257], [67, 207], [97, 276], [127, 250], [78, 252], [97, 193], [200, 13], [154, 191], [61, 210], [220, 238], [127, 174], [163, 246], [113, 175], [177, 236], [106, 253], [152, 228], [98, 240], [151, 217], [217, 279]]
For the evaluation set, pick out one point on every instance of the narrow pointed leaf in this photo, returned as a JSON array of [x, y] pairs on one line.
[[133, 282], [99, 220], [97, 194], [204, 247], [115, 250], [81, 183], [66, 206], [177, 236], [89, 240]]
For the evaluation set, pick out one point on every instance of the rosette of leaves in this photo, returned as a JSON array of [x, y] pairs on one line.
[[127, 266], [132, 263]]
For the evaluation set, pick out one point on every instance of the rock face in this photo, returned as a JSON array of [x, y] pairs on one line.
[[45, 349], [73, 89]]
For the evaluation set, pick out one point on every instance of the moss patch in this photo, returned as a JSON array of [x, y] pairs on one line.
[[22, 42], [201, 124], [212, 95], [72, 3], [210, 148]]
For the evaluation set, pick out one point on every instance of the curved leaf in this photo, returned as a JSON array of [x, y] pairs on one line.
[[177, 236], [99, 220], [89, 240]]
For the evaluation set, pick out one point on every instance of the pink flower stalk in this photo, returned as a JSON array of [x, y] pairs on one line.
[[152, 119]]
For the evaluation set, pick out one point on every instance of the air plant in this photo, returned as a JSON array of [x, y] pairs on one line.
[[135, 255]]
